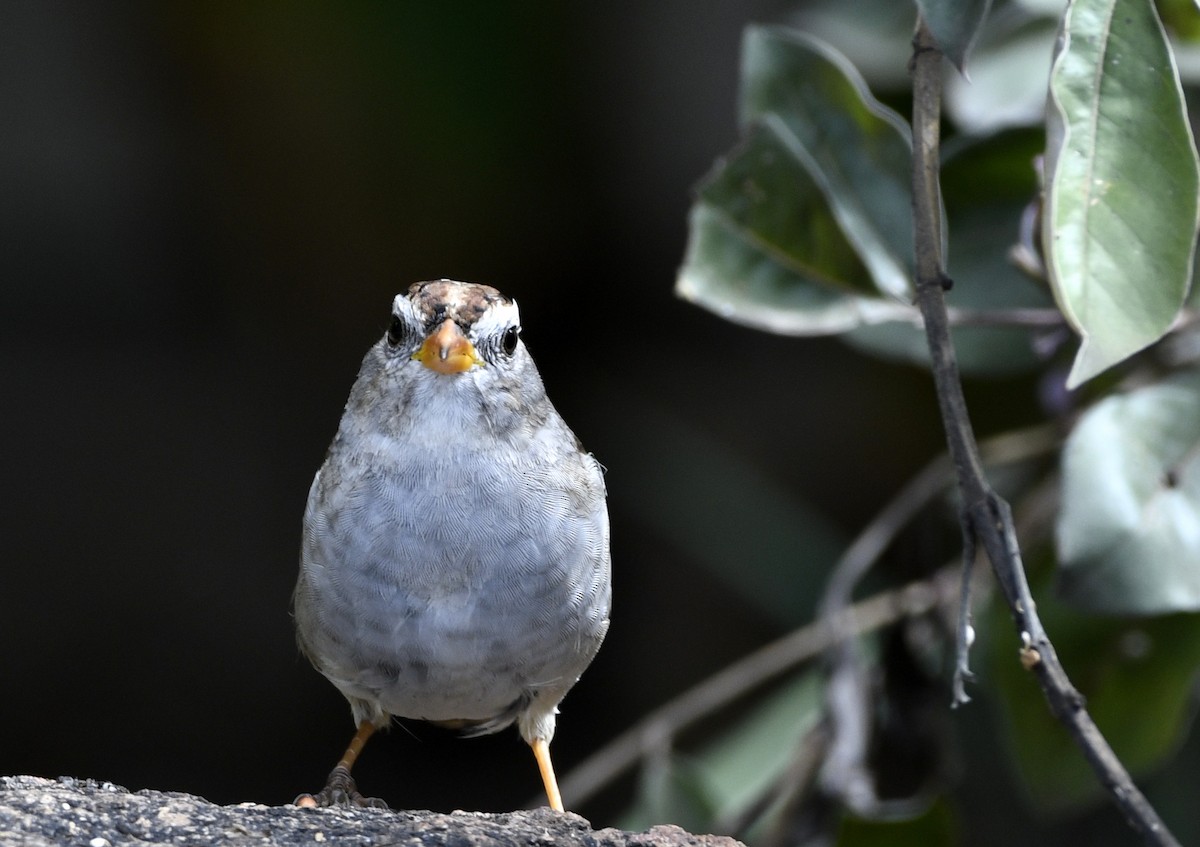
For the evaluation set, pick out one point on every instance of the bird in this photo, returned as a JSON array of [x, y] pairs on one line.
[[454, 563]]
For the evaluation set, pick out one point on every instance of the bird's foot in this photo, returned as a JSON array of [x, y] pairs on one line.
[[339, 790]]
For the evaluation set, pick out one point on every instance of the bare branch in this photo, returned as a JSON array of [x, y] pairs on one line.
[[845, 773], [1014, 318], [747, 674], [840, 620], [990, 517], [966, 634]]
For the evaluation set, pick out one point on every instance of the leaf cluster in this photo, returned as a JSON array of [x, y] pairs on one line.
[[1071, 197]]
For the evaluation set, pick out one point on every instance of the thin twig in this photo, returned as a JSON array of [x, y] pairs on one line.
[[777, 658], [1027, 318], [747, 674], [866, 549], [990, 516], [1010, 318], [966, 634], [794, 782], [846, 772]]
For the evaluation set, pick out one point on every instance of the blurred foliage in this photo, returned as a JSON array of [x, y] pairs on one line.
[[1130, 520], [935, 828], [845, 155], [988, 181], [1138, 678], [802, 230], [955, 25], [727, 776]]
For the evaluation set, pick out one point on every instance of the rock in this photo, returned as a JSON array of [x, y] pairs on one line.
[[36, 812]]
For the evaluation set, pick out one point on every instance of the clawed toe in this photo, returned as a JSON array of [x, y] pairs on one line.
[[339, 790]]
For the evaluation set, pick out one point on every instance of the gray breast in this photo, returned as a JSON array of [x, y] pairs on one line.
[[451, 590]]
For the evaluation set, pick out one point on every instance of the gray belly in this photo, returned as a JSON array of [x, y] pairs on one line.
[[441, 595]]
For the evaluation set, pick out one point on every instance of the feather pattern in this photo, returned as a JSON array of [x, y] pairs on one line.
[[455, 561]]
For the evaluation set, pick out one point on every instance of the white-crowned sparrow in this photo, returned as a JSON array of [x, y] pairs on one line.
[[455, 558]]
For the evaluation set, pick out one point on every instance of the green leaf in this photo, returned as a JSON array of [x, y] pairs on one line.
[[1009, 74], [937, 826], [861, 150], [1137, 676], [1129, 529], [734, 274], [670, 790], [1122, 176], [805, 224], [1180, 18], [742, 764], [955, 24], [987, 184], [1048, 8], [875, 35], [767, 196], [732, 771]]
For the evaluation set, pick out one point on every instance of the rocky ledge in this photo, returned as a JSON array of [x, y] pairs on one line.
[[37, 812]]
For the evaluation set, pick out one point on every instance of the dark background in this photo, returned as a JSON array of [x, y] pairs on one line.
[[205, 211]]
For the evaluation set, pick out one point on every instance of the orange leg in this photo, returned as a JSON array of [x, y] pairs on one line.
[[340, 789], [541, 751], [365, 730]]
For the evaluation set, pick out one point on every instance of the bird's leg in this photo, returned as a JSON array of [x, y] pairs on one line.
[[541, 751], [340, 789]]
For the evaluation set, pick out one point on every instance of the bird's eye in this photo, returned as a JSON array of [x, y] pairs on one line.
[[509, 342], [396, 332]]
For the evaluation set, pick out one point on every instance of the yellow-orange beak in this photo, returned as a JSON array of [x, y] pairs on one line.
[[447, 350]]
